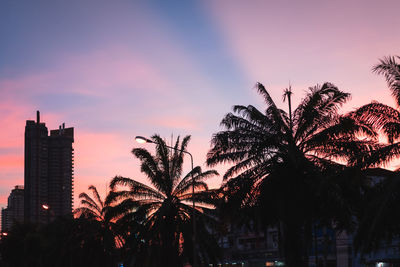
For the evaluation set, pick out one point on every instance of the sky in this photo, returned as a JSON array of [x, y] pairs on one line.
[[117, 69]]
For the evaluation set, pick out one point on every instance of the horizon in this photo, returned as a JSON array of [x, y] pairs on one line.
[[115, 71]]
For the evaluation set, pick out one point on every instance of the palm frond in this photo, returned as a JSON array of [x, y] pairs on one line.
[[126, 206], [272, 109], [87, 213], [163, 157], [392, 130], [205, 197], [342, 129], [150, 166], [377, 114], [194, 176], [87, 198], [89, 205], [248, 163], [390, 68], [177, 161], [137, 189], [96, 195], [321, 101], [238, 144], [383, 155]]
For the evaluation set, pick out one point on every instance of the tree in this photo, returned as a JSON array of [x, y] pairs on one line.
[[160, 215], [384, 118], [95, 212], [91, 208], [284, 165], [64, 242], [25, 245], [380, 219], [391, 70]]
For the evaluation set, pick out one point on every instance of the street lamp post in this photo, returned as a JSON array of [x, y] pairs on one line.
[[143, 140]]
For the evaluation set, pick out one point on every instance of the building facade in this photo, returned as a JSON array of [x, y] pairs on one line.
[[15, 209], [48, 175]]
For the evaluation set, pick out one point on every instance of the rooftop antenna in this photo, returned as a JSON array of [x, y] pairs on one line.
[[37, 117]]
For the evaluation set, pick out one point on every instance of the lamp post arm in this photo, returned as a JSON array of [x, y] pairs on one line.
[[181, 150]]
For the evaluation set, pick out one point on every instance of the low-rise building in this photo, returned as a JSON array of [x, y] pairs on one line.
[[15, 209]]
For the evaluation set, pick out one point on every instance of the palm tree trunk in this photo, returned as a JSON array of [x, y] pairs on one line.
[[170, 249], [280, 240], [325, 247], [293, 248], [307, 241], [290, 113], [316, 245]]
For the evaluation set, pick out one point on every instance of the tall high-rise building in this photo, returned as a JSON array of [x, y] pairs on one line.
[[15, 209], [60, 170], [48, 171]]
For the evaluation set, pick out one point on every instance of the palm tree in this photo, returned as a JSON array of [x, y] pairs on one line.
[[383, 117], [284, 164], [95, 212], [380, 221], [164, 210], [391, 70], [91, 207]]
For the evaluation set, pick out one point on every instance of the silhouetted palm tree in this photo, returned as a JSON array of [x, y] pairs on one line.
[[91, 208], [94, 209], [284, 164], [383, 117], [379, 220], [163, 211], [390, 68]]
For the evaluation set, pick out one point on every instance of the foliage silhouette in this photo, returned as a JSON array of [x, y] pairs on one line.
[[96, 210], [160, 215], [65, 242], [380, 220], [286, 165]]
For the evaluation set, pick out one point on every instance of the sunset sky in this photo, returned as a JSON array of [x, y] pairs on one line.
[[117, 69]]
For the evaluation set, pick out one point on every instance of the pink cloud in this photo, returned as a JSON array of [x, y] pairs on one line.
[[91, 74], [113, 68], [184, 123], [11, 88], [11, 162], [13, 115]]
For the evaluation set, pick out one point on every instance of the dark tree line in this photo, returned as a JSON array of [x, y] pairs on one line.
[[292, 170]]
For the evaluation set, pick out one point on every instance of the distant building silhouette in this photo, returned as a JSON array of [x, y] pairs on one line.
[[15, 209], [48, 171]]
